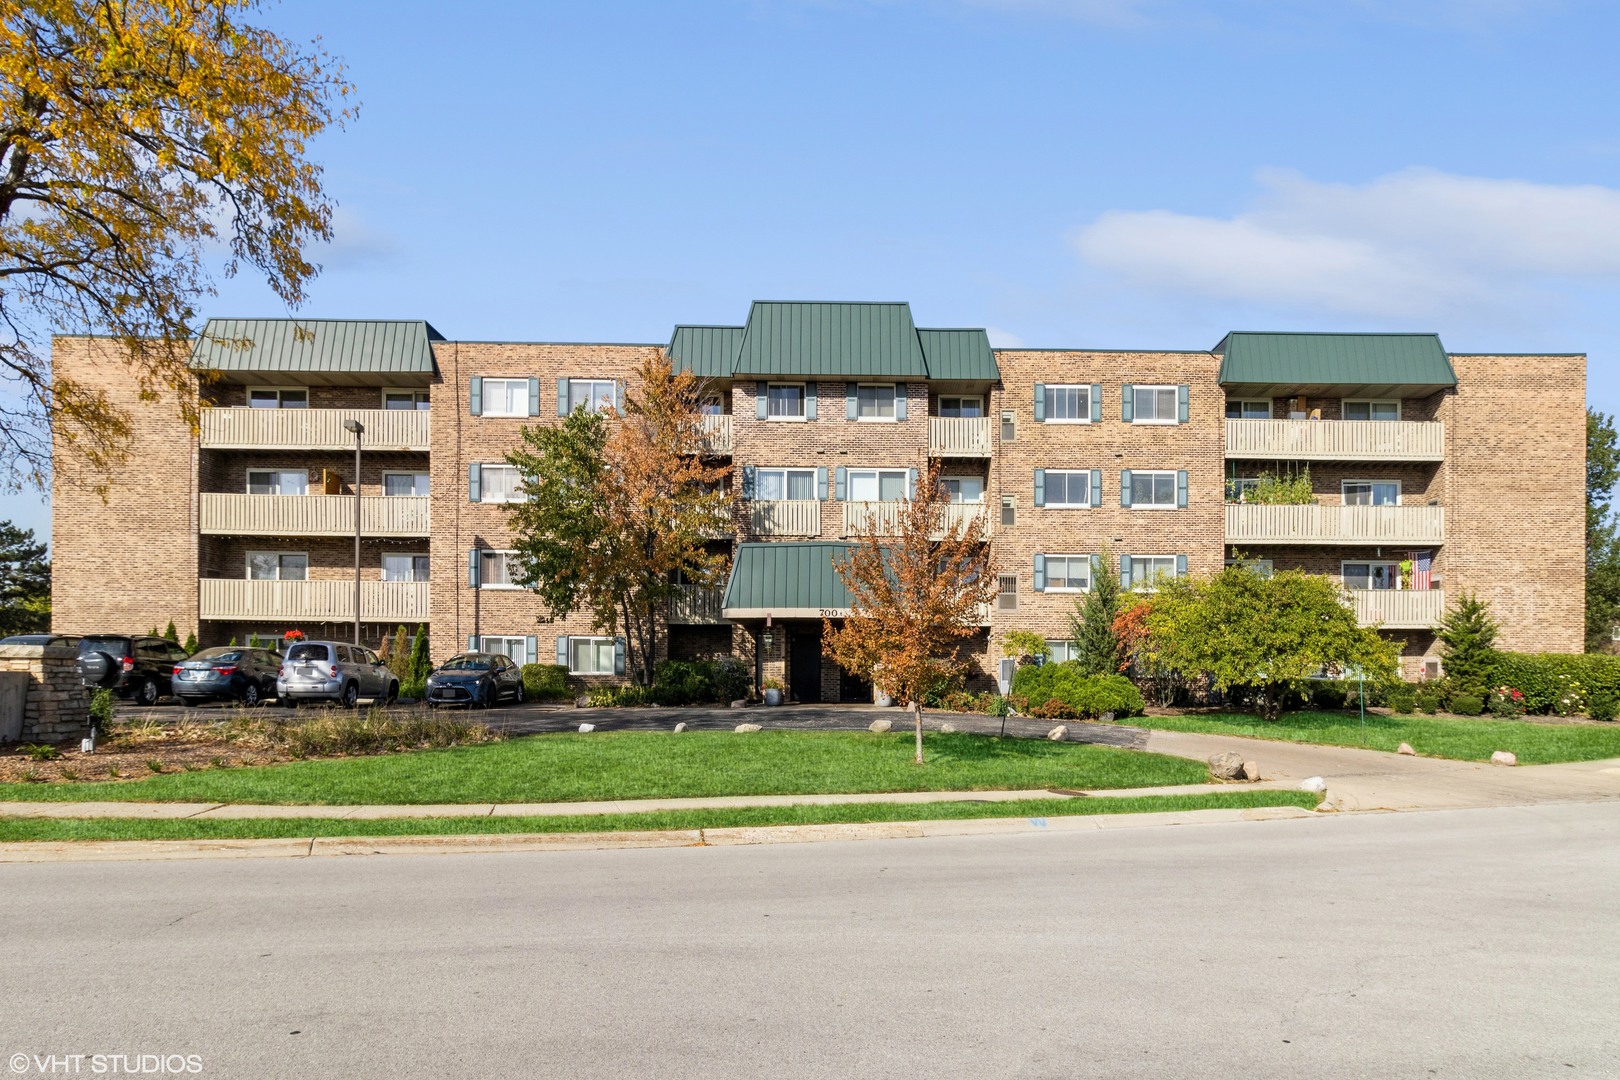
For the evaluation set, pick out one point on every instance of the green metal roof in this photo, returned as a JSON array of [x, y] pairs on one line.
[[959, 354], [710, 351], [788, 580], [1340, 363], [836, 339], [326, 347]]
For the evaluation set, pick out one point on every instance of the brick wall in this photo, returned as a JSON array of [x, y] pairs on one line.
[[57, 706]]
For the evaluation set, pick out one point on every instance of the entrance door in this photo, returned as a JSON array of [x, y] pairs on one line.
[[852, 687], [804, 665]]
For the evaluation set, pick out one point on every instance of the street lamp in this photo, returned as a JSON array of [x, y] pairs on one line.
[[359, 429]]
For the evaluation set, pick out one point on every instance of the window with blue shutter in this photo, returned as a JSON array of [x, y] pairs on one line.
[[1181, 566], [1125, 487], [748, 481], [852, 403], [899, 401], [1183, 409], [475, 482], [761, 400], [1040, 487], [1124, 571], [1127, 403], [821, 483], [475, 396], [562, 397], [911, 483], [618, 656], [1096, 487], [472, 643], [534, 397], [531, 650], [472, 568], [1040, 573], [842, 484], [1040, 401], [562, 651], [810, 397], [1096, 403], [1181, 488]]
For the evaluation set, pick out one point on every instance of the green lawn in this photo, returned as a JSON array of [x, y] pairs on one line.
[[23, 829], [645, 765], [1462, 738]]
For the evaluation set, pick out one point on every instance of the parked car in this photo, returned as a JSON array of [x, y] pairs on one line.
[[129, 665], [227, 673], [55, 641], [333, 671], [470, 679]]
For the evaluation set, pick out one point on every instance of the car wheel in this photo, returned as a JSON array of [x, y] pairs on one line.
[[250, 695], [147, 692], [517, 698], [351, 696], [288, 702], [392, 695]]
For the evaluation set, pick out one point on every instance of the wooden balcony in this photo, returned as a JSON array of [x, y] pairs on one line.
[[887, 516], [1399, 609], [321, 600], [717, 435], [959, 436], [312, 429], [313, 515], [695, 605], [797, 517], [1248, 523], [1336, 440]]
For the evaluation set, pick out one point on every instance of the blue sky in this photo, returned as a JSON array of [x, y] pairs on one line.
[[1083, 173]]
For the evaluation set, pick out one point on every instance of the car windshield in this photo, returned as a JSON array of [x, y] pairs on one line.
[[226, 653], [118, 646], [306, 652], [466, 663]]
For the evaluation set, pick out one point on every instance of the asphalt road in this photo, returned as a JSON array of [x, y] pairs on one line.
[[1469, 944]]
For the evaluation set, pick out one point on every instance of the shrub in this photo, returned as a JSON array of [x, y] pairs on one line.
[[1602, 705], [1537, 675], [41, 751], [415, 688], [1400, 697], [545, 682], [191, 643], [1426, 700], [1468, 634], [1087, 695], [1329, 695], [1024, 645], [1467, 704], [610, 697], [1507, 702], [375, 731], [101, 709], [696, 682]]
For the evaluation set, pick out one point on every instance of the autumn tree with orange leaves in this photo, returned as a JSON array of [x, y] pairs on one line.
[[917, 593], [618, 504]]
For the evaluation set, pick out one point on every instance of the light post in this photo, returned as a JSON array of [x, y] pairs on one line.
[[359, 429]]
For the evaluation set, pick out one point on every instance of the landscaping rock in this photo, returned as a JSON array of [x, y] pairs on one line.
[[1504, 757], [586, 728], [948, 728], [1314, 783], [680, 727], [746, 727], [1107, 718], [880, 726], [1251, 770], [1406, 748], [1058, 734], [1226, 766], [582, 702], [740, 703]]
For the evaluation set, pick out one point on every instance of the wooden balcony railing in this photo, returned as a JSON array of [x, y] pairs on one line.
[[717, 435], [798, 517], [1336, 440], [1399, 609], [959, 436], [312, 429], [886, 515], [313, 515], [696, 605], [320, 600], [1317, 524]]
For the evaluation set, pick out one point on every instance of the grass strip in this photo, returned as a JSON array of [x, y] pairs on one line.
[[570, 767], [33, 829]]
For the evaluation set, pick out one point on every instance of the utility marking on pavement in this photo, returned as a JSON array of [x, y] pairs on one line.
[[1038, 822]]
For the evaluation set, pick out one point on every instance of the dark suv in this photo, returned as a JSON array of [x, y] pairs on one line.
[[129, 666]]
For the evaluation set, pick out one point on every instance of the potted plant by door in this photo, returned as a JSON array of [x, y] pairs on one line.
[[773, 691]]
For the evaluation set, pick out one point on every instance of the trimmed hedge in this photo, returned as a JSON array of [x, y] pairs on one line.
[[545, 682], [1546, 677], [1057, 690]]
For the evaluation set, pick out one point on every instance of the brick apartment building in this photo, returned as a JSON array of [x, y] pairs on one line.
[[1432, 473]]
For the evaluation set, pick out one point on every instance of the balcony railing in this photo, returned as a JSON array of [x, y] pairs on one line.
[[1248, 523], [696, 605], [312, 429], [959, 436], [1399, 609], [886, 516], [1337, 440], [313, 515], [321, 600], [717, 435], [797, 517]]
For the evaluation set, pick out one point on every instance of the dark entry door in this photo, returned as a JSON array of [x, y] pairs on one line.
[[804, 665], [852, 687]]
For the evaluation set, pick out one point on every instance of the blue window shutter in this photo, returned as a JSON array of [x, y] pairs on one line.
[[810, 397], [472, 568], [1040, 573], [475, 396], [911, 483], [1127, 403], [748, 482], [1096, 487], [618, 656], [562, 651], [1040, 487], [1096, 403], [472, 642], [531, 650], [821, 483], [562, 397], [1125, 487], [761, 400], [1182, 407], [1181, 566], [842, 478], [1124, 571], [899, 401], [618, 396], [475, 482], [1040, 402], [1181, 488], [850, 393], [534, 397], [1096, 565]]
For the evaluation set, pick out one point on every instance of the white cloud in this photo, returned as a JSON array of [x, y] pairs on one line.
[[1413, 243], [1003, 339]]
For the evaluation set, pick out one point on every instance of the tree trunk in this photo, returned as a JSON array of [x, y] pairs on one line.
[[916, 712]]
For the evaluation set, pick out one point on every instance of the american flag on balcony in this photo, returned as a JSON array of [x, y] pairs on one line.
[[1422, 564]]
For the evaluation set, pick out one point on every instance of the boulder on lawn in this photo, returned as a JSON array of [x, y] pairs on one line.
[[878, 727], [586, 728], [746, 727], [1406, 748], [1314, 783], [1226, 765], [680, 727], [1058, 734], [948, 728], [1504, 757], [1251, 770]]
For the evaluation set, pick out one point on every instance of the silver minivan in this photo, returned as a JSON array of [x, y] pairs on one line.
[[333, 671]]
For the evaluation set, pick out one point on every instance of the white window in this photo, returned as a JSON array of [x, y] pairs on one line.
[[1066, 487], [874, 402], [1261, 567], [496, 570], [1058, 652], [593, 395], [515, 648], [777, 484], [1068, 403], [275, 397], [1372, 492], [397, 567], [784, 401], [405, 483], [500, 484], [277, 566], [963, 489], [1154, 405], [1009, 510], [1009, 426], [1153, 489], [590, 656], [505, 397], [1255, 409], [277, 482], [961, 406], [1372, 410], [1007, 592], [1069, 573], [1148, 570], [877, 485], [406, 399], [1371, 574]]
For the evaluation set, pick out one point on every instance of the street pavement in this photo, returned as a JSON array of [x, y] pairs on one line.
[[1472, 944]]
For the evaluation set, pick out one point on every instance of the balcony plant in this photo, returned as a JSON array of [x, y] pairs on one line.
[[1273, 489]]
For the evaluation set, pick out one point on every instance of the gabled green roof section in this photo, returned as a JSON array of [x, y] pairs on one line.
[[316, 346], [1341, 363], [786, 581], [959, 354], [709, 351], [831, 339]]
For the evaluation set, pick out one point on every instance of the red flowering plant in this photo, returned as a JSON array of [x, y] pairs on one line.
[[1506, 701], [293, 635]]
